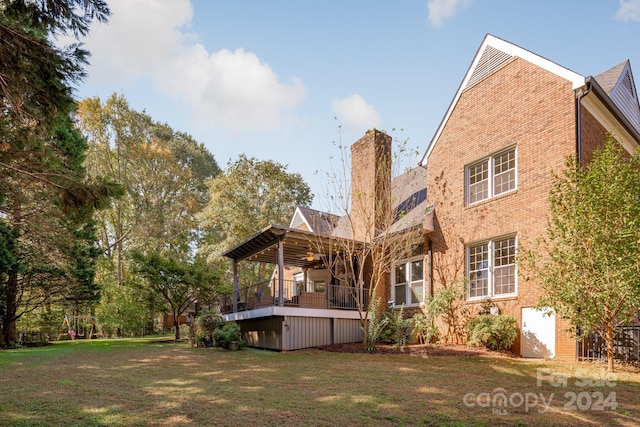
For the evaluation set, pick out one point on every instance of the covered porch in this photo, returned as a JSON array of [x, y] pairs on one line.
[[316, 306]]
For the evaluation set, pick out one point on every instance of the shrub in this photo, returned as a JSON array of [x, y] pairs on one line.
[[207, 322], [424, 328], [399, 328], [227, 333], [448, 303], [375, 325], [493, 332], [202, 328]]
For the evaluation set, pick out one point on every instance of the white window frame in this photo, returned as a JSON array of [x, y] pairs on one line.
[[491, 268], [408, 283], [491, 165]]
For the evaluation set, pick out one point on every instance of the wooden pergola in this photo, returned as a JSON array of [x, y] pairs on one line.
[[282, 246]]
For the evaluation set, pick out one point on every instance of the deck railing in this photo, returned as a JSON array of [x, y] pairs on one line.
[[294, 294]]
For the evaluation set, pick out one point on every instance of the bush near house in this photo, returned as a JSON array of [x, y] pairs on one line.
[[397, 329], [205, 325], [223, 336], [424, 328], [494, 332]]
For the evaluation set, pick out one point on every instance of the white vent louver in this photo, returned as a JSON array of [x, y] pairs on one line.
[[625, 97], [490, 60]]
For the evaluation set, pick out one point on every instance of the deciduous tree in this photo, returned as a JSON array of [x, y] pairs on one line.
[[179, 282], [249, 195], [590, 262]]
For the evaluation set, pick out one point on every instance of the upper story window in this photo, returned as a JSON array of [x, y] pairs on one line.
[[491, 176], [491, 269]]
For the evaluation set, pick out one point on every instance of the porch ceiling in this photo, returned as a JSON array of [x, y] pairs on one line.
[[263, 246]]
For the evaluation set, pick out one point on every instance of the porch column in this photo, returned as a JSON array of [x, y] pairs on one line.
[[236, 286], [281, 270]]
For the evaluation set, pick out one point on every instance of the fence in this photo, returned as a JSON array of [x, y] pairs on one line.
[[626, 345]]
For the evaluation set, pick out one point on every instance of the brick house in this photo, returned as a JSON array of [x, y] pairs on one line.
[[480, 190], [515, 118]]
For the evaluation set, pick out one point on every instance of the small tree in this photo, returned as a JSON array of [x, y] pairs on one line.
[[591, 262], [448, 304], [369, 243], [180, 283]]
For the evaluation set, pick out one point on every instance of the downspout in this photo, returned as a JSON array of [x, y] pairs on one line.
[[430, 255], [580, 94]]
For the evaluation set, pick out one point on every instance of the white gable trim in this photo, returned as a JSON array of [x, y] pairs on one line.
[[576, 79], [298, 218]]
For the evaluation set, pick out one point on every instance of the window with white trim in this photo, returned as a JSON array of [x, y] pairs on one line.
[[491, 269], [491, 176], [408, 281]]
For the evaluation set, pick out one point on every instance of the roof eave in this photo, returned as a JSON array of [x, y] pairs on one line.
[[632, 133]]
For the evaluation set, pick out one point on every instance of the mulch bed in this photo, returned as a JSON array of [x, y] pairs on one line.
[[418, 350]]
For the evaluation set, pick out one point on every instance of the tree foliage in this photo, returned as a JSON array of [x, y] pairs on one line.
[[163, 173], [45, 199], [249, 195], [179, 282], [591, 268]]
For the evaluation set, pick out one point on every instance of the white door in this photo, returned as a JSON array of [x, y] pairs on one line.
[[538, 333]]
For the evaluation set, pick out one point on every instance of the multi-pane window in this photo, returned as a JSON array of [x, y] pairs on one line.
[[408, 282], [491, 268], [478, 270], [491, 176], [479, 182]]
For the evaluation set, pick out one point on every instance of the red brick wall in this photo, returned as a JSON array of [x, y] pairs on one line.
[[519, 105], [593, 135], [370, 181]]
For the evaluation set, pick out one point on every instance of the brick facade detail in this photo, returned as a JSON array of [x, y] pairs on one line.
[[519, 105]]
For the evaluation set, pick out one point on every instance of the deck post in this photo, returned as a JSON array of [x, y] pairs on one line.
[[236, 286], [281, 270]]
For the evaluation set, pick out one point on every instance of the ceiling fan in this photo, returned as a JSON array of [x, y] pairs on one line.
[[311, 256]]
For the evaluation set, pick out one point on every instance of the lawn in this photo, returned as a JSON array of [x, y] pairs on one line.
[[139, 382]]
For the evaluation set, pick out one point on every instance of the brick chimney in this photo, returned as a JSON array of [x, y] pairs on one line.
[[370, 183]]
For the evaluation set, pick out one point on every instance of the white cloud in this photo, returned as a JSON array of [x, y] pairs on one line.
[[150, 39], [234, 88], [440, 10], [629, 10], [141, 36], [354, 112]]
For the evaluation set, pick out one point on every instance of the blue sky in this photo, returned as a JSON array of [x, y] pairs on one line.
[[285, 80]]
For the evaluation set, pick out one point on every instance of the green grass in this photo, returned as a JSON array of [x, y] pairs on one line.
[[143, 382]]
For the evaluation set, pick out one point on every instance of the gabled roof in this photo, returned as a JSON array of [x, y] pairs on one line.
[[493, 54], [316, 221], [618, 83]]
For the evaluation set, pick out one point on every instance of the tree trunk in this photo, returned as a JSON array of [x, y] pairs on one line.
[[176, 321], [120, 246], [9, 320], [365, 332], [609, 339]]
